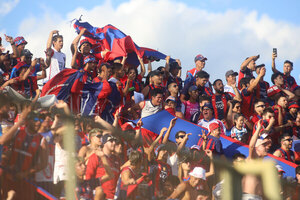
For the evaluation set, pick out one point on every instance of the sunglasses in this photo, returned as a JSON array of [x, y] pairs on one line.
[[180, 136], [290, 140], [175, 86], [38, 119], [99, 136]]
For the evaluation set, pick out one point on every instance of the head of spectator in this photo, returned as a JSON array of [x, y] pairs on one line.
[[179, 137], [297, 170], [215, 129], [20, 43], [26, 56], [282, 101], [109, 143], [262, 146], [104, 71], [245, 82], [259, 67], [6, 61], [202, 78], [95, 136], [117, 70], [268, 114], [170, 185], [208, 112], [239, 120], [251, 65], [156, 77], [287, 67], [236, 106], [133, 72], [156, 96], [173, 89], [89, 63], [118, 147], [135, 158], [280, 171], [57, 42], [33, 122], [174, 69], [85, 46], [286, 141], [259, 106], [80, 168], [170, 102], [162, 152], [218, 86], [293, 108], [193, 93], [238, 158], [277, 79], [203, 100], [200, 62], [4, 106], [231, 77], [196, 176]]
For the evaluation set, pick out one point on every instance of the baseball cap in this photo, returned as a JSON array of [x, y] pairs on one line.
[[200, 57], [213, 126], [196, 147], [208, 105], [198, 172], [170, 98], [108, 137], [174, 65], [89, 58], [279, 168], [231, 72], [273, 90], [259, 66], [293, 104], [193, 88], [19, 40], [84, 41]]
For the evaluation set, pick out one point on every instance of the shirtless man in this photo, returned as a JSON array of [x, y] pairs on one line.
[[187, 190], [258, 148]]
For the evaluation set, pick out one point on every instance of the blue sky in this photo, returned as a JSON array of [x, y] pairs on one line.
[[262, 26]]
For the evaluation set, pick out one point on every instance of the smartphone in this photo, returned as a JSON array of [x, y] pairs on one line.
[[275, 51]]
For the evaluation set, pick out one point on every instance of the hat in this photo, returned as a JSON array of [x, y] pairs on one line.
[[84, 41], [200, 57], [231, 72], [108, 137], [193, 88], [26, 53], [196, 147], [174, 65], [19, 40], [208, 105], [213, 126], [155, 73], [293, 104], [273, 90], [198, 172], [88, 59], [279, 168], [170, 98]]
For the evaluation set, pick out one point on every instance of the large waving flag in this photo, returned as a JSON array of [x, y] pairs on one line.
[[72, 86], [156, 122], [119, 44]]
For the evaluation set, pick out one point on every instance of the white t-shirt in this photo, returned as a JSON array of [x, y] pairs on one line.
[[57, 64], [228, 88], [206, 124]]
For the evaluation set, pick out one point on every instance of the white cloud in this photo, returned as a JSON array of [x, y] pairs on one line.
[[180, 31], [7, 6]]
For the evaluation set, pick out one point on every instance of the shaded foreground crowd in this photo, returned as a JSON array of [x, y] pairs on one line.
[[119, 159]]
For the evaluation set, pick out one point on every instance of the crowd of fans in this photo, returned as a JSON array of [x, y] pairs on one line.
[[119, 159]]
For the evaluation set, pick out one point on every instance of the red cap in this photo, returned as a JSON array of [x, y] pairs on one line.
[[294, 104], [213, 126]]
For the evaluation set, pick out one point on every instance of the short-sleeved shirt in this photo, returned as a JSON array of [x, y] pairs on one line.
[[190, 109], [238, 133]]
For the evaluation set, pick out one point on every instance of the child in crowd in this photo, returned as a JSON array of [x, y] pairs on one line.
[[238, 131]]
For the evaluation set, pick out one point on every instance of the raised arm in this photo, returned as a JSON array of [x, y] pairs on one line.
[[211, 166], [172, 124], [290, 94], [149, 67], [257, 79], [143, 69], [43, 68], [75, 42], [179, 63], [150, 150], [167, 65], [108, 171], [49, 41], [253, 140], [273, 63], [183, 143], [247, 61], [9, 39]]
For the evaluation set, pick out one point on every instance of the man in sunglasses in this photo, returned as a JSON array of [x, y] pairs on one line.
[[285, 152], [259, 107]]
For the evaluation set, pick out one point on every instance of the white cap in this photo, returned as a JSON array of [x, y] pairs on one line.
[[198, 172], [279, 168]]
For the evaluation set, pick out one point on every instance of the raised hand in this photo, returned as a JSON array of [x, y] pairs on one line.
[[173, 122], [209, 153], [139, 123]]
